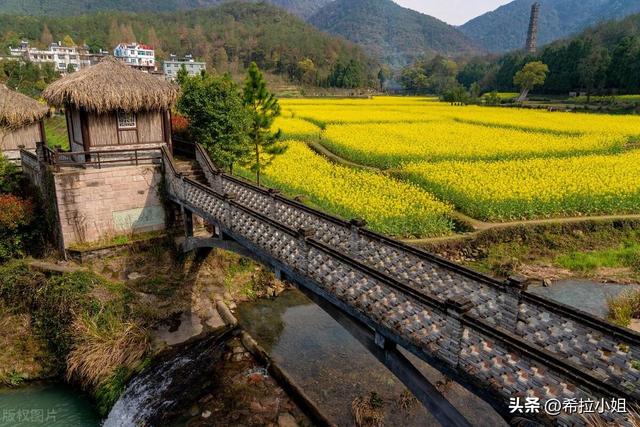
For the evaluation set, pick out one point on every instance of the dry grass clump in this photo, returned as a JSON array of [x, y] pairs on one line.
[[624, 308], [103, 345], [368, 411], [407, 401]]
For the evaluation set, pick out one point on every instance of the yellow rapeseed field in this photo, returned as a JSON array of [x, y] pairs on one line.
[[492, 163], [296, 128], [390, 145], [520, 189], [389, 206]]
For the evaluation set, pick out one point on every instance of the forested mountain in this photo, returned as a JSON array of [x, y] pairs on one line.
[[228, 37], [394, 34], [601, 60], [506, 28], [302, 8]]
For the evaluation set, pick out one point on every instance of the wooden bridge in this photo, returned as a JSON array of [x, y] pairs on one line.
[[494, 337]]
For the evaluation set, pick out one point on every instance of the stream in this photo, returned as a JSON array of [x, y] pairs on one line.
[[333, 368], [51, 405], [584, 295], [323, 359]]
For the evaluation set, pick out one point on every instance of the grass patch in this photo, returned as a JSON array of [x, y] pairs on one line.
[[56, 130], [503, 259], [626, 255], [238, 279], [548, 250], [120, 240]]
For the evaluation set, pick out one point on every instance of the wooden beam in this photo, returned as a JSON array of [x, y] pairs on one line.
[[67, 116], [84, 127], [43, 134]]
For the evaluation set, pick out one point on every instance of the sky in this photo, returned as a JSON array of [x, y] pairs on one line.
[[454, 12]]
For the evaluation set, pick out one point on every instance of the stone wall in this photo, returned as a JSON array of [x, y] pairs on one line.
[[95, 204]]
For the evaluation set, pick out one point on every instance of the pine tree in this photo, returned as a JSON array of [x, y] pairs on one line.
[[264, 108], [67, 41], [46, 38], [182, 75]]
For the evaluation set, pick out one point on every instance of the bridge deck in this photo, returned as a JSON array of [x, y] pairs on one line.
[[494, 333]]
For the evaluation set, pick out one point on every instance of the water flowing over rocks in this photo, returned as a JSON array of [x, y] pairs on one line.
[[161, 392]]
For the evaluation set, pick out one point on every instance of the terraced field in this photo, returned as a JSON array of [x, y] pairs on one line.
[[495, 164]]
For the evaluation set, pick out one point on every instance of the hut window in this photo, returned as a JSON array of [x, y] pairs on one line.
[[126, 120]]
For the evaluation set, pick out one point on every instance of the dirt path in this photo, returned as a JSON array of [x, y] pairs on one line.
[[478, 225]]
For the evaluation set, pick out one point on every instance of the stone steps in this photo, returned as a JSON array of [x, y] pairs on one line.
[[191, 169]]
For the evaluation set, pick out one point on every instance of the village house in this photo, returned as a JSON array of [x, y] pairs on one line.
[[21, 123], [63, 58], [136, 55], [175, 64], [118, 122]]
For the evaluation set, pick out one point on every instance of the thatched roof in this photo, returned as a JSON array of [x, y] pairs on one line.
[[112, 85], [18, 110]]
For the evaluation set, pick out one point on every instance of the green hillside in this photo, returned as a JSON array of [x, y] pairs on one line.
[[394, 34], [302, 8], [602, 60], [227, 37]]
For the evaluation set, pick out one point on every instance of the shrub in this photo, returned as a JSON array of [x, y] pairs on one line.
[[492, 98], [179, 124], [14, 212], [10, 176], [16, 226]]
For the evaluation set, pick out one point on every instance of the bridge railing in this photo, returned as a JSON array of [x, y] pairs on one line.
[[606, 349], [438, 329]]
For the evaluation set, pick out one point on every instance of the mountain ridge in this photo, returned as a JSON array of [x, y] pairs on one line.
[[505, 28], [395, 34]]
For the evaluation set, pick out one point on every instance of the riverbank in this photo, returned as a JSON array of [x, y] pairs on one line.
[[98, 327], [604, 254]]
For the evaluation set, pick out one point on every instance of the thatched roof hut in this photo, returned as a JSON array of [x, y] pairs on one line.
[[110, 86], [21, 122], [18, 110], [111, 105]]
